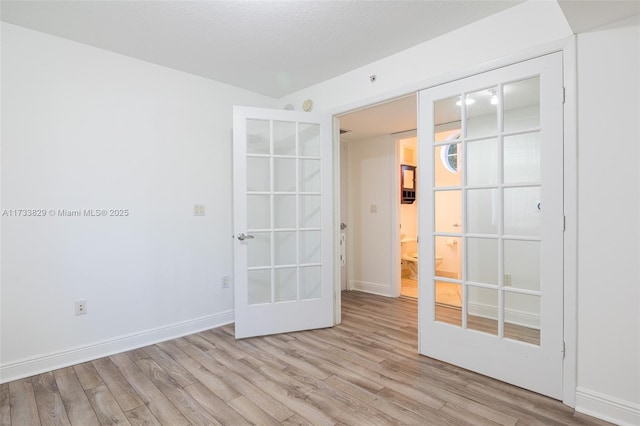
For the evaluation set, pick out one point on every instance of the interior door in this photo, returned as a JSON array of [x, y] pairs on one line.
[[492, 216], [283, 221]]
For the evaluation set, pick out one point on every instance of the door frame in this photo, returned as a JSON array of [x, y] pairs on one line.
[[569, 63]]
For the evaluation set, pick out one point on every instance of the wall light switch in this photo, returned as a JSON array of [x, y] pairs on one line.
[[225, 282], [374, 208], [198, 210]]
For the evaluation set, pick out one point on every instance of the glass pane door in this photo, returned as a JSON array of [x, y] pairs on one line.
[[494, 149], [486, 167], [283, 211], [283, 264]]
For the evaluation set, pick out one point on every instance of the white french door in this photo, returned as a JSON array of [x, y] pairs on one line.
[[283, 221], [492, 213]]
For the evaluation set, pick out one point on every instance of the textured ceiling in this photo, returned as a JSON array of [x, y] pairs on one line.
[[270, 47]]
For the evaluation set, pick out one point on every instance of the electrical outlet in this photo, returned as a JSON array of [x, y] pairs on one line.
[[225, 282], [507, 280], [80, 307]]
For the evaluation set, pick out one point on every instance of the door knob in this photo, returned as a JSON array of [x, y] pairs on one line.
[[241, 236]]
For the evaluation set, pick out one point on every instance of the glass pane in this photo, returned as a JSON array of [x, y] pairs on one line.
[[522, 158], [309, 211], [482, 309], [482, 162], [522, 211], [448, 211], [482, 212], [522, 317], [310, 280], [284, 175], [448, 313], [259, 249], [448, 163], [309, 175], [259, 286], [448, 261], [284, 138], [258, 137], [257, 174], [522, 264], [284, 211], [285, 285], [449, 294], [258, 212], [310, 247], [309, 140], [284, 248], [447, 116], [482, 260], [522, 105], [482, 113]]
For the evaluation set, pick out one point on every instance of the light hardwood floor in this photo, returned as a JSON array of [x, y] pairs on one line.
[[364, 371]]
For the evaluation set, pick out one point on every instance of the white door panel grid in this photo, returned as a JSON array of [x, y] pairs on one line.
[[283, 221], [491, 211]]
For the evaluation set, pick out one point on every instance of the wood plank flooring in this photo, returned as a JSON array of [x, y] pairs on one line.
[[365, 371]]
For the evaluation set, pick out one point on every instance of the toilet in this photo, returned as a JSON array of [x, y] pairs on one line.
[[409, 256]]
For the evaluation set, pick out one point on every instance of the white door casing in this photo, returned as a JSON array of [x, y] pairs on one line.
[[283, 221], [508, 232]]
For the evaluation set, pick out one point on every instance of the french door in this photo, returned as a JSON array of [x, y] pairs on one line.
[[492, 213], [283, 221]]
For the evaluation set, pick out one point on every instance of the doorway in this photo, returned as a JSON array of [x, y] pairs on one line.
[[371, 172]]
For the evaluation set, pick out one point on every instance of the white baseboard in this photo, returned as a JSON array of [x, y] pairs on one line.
[[41, 364], [607, 408], [373, 288], [513, 316]]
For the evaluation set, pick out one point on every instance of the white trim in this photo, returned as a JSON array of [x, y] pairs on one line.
[[44, 363], [394, 213], [569, 374], [337, 285], [373, 288], [607, 408]]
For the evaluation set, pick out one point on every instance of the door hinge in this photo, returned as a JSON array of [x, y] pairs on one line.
[[564, 223], [564, 94], [563, 349]]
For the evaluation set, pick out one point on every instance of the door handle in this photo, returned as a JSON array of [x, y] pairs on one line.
[[241, 237]]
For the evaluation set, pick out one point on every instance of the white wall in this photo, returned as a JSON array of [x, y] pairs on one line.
[[371, 165], [83, 128], [608, 223]]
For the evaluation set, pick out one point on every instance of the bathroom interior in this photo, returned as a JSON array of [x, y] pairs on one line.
[[448, 258]]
